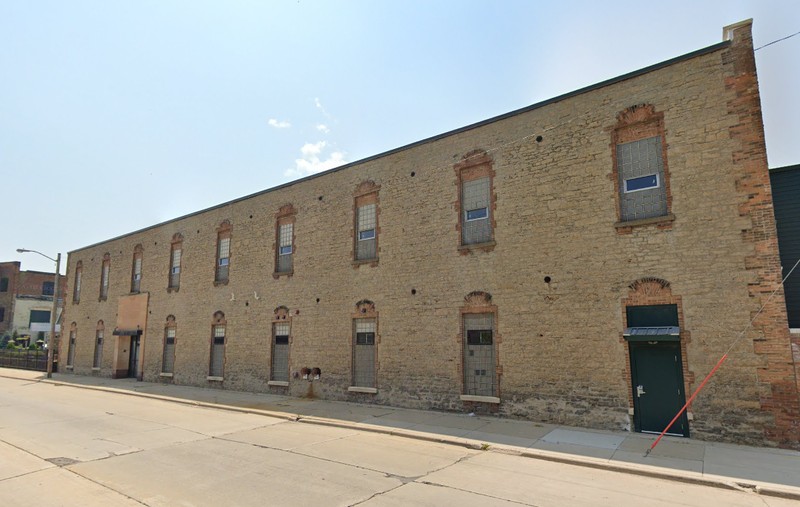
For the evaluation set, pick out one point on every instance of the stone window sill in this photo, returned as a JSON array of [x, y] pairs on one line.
[[70, 367], [372, 262], [279, 383], [646, 221], [173, 289], [217, 283], [480, 399], [488, 245], [794, 330], [215, 379], [167, 375], [94, 368], [279, 274], [368, 390]]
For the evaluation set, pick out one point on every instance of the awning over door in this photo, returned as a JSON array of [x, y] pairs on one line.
[[127, 332], [648, 334]]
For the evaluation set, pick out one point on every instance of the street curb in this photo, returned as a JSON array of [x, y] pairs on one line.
[[721, 482]]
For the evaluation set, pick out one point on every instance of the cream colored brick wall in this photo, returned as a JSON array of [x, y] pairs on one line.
[[561, 354]]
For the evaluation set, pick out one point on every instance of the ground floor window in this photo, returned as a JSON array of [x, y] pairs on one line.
[[479, 355], [364, 352]]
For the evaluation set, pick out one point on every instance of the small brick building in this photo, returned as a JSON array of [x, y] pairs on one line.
[[585, 260], [26, 297]]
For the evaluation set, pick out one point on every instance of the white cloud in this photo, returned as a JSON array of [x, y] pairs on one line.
[[279, 124], [321, 107], [323, 128], [315, 161]]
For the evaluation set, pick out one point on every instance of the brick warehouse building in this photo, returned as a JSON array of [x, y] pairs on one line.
[[585, 260]]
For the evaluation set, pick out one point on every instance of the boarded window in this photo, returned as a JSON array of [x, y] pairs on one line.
[[479, 358], [364, 353], [104, 278], [640, 166], [48, 288], [76, 293], [280, 351], [136, 273]]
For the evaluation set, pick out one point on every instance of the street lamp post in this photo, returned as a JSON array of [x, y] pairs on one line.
[[56, 291]]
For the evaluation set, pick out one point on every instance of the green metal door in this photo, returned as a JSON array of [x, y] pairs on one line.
[[657, 378]]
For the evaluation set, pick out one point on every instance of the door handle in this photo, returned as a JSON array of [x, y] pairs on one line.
[[640, 391]]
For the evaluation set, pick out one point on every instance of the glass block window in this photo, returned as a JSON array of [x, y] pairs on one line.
[[476, 225], [136, 272], [479, 355], [168, 356], [71, 348], [217, 352], [364, 353], [223, 258], [285, 248], [640, 166], [366, 232], [280, 351], [104, 273], [98, 348], [175, 266], [76, 291]]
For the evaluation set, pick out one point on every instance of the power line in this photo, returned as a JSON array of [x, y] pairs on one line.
[[777, 41]]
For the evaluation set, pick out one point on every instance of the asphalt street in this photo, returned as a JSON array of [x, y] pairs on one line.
[[61, 445]]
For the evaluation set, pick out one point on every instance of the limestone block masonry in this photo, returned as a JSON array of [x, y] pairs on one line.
[[552, 288]]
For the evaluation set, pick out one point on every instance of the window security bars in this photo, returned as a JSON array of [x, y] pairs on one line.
[[168, 359], [479, 360], [285, 249], [136, 276], [366, 232], [175, 269], [217, 352], [223, 259], [476, 225], [280, 352], [364, 353], [76, 294], [641, 172], [104, 280]]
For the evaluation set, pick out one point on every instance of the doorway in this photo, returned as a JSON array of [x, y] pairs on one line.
[[657, 380], [133, 357]]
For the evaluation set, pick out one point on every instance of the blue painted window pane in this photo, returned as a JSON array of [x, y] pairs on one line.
[[641, 183], [368, 234], [286, 250], [477, 214]]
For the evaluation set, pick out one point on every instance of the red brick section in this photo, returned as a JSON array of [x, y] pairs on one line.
[[773, 342]]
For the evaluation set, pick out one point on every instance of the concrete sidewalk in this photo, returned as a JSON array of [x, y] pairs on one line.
[[769, 471]]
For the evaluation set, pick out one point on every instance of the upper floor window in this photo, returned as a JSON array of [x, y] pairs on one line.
[[104, 273], [640, 168], [136, 269], [48, 288], [4, 284], [223, 252], [284, 248], [175, 262], [476, 199], [76, 290], [366, 222]]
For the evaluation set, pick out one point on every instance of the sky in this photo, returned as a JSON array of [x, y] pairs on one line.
[[118, 115]]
